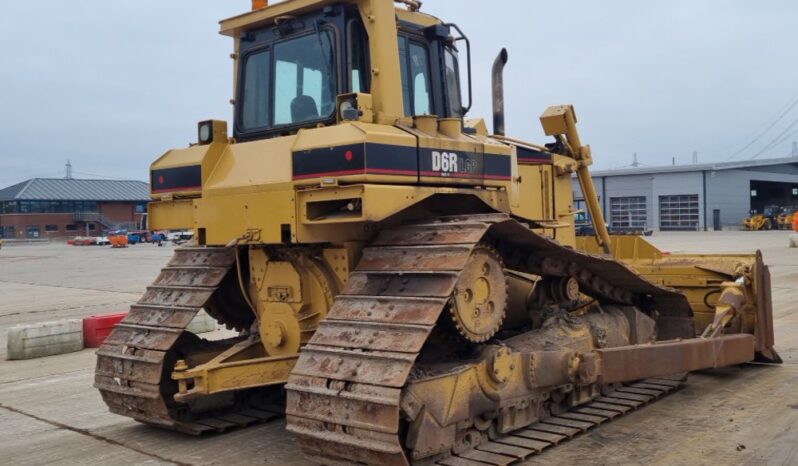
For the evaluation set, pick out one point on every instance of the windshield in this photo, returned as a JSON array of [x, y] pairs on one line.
[[293, 82]]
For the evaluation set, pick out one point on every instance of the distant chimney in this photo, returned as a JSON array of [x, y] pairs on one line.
[[635, 163], [695, 156], [68, 170], [674, 161]]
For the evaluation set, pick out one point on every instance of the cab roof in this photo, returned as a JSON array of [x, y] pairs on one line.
[[266, 16]]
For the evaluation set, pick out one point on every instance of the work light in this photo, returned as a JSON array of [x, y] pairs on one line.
[[205, 132]]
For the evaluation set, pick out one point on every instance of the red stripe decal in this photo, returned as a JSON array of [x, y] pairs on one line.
[[360, 171], [386, 171], [389, 171], [182, 188], [531, 160], [464, 175]]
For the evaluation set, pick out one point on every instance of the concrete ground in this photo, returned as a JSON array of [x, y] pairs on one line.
[[50, 414]]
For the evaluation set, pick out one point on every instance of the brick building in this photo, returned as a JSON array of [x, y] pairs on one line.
[[50, 208]]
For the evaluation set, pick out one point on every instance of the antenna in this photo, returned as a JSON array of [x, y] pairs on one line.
[[68, 170], [674, 161]]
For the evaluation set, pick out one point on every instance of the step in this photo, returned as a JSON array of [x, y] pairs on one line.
[[45, 339]]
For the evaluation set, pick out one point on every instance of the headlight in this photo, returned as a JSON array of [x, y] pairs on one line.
[[349, 111], [205, 132]]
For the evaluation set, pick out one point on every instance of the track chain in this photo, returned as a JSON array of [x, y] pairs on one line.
[[524, 443], [134, 365], [345, 390]]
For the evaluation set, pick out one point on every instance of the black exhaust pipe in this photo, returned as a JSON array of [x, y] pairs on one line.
[[498, 92]]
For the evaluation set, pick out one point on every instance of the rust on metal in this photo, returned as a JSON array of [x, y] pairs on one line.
[[135, 362], [664, 358], [384, 316]]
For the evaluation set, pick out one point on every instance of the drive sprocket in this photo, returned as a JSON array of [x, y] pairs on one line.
[[479, 303]]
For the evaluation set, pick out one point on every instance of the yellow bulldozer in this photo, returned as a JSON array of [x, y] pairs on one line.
[[769, 219], [786, 217], [410, 280]]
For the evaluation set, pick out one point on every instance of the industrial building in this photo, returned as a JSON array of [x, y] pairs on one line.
[[693, 197], [47, 208]]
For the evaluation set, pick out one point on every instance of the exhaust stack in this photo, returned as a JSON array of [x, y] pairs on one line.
[[498, 92]]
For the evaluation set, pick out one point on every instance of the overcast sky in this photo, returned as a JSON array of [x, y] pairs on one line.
[[112, 85]]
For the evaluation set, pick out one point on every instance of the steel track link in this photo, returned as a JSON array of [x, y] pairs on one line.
[[136, 360], [344, 392], [520, 445]]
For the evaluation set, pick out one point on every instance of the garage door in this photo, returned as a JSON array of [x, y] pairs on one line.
[[628, 212], [679, 212]]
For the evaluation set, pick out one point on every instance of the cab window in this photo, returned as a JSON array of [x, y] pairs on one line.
[[454, 103], [291, 83], [360, 73], [255, 108], [416, 83], [304, 79]]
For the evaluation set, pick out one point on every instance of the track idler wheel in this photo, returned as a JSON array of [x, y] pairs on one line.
[[479, 303]]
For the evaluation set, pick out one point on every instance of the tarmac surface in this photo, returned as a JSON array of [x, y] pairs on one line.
[[50, 414]]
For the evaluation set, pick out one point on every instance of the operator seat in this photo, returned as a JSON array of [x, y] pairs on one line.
[[303, 108]]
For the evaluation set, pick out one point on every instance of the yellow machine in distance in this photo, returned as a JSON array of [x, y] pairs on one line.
[[769, 219], [413, 280], [786, 217]]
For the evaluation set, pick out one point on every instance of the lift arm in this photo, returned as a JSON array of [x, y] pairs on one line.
[[560, 122]]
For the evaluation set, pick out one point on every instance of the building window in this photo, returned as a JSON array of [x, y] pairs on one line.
[[8, 207], [8, 232], [628, 212], [32, 231], [71, 227], [679, 212], [92, 227], [51, 228], [141, 208]]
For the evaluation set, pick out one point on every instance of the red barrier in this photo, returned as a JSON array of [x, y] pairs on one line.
[[97, 328]]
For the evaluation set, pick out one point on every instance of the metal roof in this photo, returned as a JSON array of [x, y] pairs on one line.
[[70, 189], [696, 167]]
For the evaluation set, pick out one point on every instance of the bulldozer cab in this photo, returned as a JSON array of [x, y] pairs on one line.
[[290, 72]]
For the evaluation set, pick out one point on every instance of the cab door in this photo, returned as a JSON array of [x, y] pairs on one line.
[[430, 89]]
